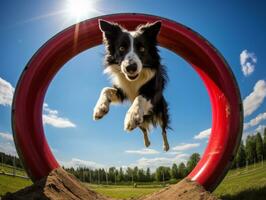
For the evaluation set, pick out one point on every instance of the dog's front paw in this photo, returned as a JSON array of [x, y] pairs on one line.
[[100, 110], [134, 118]]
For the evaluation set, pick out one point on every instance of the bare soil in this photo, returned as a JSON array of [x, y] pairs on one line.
[[184, 190], [56, 186]]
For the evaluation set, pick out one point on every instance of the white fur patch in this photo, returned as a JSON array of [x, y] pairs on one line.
[[107, 96], [131, 57], [138, 109], [101, 108], [131, 88]]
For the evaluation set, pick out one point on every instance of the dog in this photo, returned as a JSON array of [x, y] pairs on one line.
[[133, 64]]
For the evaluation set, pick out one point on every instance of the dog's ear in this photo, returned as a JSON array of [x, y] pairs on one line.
[[151, 29], [108, 27]]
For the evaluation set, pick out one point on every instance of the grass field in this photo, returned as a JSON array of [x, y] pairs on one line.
[[9, 169], [244, 184], [12, 184], [125, 192], [241, 184]]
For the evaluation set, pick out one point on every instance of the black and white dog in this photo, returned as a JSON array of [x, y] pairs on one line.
[[133, 63]]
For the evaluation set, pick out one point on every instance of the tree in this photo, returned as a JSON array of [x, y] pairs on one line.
[[240, 159], [116, 176], [174, 171], [163, 173], [148, 175], [9, 160], [141, 175], [135, 174], [153, 176], [129, 174], [233, 166], [120, 177], [111, 174], [159, 174], [259, 146], [167, 173], [192, 162], [251, 149], [264, 144], [182, 171]]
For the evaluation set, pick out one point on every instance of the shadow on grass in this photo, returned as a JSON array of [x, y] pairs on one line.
[[250, 194]]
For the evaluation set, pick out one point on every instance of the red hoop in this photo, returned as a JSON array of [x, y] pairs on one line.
[[227, 115]]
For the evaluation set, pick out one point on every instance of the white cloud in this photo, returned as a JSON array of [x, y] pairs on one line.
[[75, 163], [153, 163], [6, 136], [184, 147], [203, 134], [248, 61], [173, 152], [51, 117], [7, 144], [255, 121], [8, 148], [260, 129], [6, 93], [143, 162], [143, 152], [255, 98]]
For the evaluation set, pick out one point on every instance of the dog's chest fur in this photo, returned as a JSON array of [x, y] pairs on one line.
[[130, 88]]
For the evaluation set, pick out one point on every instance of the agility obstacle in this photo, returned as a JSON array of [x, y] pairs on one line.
[[227, 114]]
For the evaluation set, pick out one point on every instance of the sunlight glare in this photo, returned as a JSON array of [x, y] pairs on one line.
[[80, 9]]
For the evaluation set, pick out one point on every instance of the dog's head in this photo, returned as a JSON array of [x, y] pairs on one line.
[[131, 51]]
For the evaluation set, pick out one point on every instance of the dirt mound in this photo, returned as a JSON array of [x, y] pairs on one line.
[[184, 190], [60, 185]]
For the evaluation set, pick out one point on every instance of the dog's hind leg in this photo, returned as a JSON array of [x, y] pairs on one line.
[[165, 140], [164, 122], [145, 135]]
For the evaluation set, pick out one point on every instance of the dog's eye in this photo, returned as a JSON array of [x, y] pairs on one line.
[[122, 49], [141, 49]]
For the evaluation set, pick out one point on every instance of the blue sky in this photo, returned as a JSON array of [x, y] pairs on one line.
[[236, 28]]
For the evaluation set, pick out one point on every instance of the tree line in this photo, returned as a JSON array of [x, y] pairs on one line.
[[251, 151], [10, 160], [115, 175]]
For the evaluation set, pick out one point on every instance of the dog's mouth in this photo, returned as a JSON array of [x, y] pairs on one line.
[[132, 77]]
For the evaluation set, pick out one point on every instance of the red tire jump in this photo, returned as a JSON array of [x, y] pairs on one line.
[[227, 114]]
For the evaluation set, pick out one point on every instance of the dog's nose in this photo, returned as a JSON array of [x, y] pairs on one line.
[[132, 68]]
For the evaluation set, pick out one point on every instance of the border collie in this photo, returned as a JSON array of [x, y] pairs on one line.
[[133, 63]]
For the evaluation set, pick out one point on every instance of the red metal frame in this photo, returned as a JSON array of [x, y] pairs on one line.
[[224, 94]]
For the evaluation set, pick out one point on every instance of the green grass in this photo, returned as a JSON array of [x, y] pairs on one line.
[[245, 184], [12, 184], [126, 191], [9, 169]]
